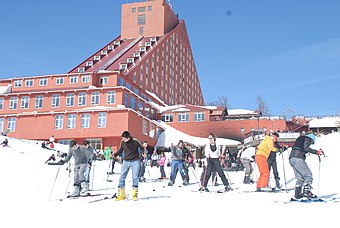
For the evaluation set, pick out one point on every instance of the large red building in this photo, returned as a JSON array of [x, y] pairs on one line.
[[114, 89]]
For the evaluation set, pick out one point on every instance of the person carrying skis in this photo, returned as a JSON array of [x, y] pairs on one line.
[[131, 160], [303, 175], [262, 153], [81, 156], [212, 153]]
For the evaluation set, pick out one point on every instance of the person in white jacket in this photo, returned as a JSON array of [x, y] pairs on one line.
[[247, 157], [212, 153]]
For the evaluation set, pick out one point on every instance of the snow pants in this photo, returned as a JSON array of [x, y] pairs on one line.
[[79, 173], [247, 164], [303, 175], [262, 164]]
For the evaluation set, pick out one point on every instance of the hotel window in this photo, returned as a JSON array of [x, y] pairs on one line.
[[39, 101], [95, 98], [126, 99], [13, 103], [101, 119], [43, 82], [17, 83], [59, 122], [133, 10], [141, 31], [149, 8], [2, 122], [29, 83], [71, 121], [70, 100], [136, 91], [199, 116], [104, 80], [141, 9], [111, 97], [145, 127], [55, 100], [11, 124], [168, 118], [129, 86], [85, 78], [25, 102], [152, 130], [183, 117], [140, 106], [134, 77], [59, 81], [73, 79], [81, 99], [133, 102], [85, 120], [121, 82], [1, 103], [141, 19]]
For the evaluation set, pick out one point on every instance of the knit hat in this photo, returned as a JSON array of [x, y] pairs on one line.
[[312, 136]]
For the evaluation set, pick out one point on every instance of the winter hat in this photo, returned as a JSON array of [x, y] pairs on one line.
[[312, 136], [126, 134]]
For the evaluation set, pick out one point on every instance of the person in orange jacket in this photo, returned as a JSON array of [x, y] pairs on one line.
[[263, 151]]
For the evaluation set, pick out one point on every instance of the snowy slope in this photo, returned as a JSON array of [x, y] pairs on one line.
[[27, 198]]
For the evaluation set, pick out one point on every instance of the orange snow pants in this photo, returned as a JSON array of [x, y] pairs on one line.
[[262, 165]]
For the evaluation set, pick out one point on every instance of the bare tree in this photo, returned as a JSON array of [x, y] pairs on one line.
[[222, 101], [262, 106]]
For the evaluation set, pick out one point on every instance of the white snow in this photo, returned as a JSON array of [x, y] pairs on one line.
[[30, 191], [332, 121]]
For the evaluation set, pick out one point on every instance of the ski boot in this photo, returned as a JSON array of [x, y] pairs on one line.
[[135, 194], [307, 192], [121, 194], [76, 191], [84, 188], [298, 192]]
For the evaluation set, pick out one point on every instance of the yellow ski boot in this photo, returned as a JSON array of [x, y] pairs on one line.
[[121, 194], [135, 194]]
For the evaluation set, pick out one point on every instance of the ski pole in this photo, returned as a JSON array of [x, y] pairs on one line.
[[197, 181], [319, 175], [55, 180], [284, 172], [153, 187], [93, 166]]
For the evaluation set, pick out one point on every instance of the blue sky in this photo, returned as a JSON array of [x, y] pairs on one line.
[[287, 51]]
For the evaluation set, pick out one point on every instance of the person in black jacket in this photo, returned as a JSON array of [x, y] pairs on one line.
[[271, 160], [303, 175], [131, 148]]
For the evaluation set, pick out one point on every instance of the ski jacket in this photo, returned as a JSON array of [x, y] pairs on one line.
[[210, 153], [178, 153], [248, 153], [81, 155], [131, 150], [266, 146], [107, 153], [301, 148], [162, 161]]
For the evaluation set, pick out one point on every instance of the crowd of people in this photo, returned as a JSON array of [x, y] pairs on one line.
[[139, 156]]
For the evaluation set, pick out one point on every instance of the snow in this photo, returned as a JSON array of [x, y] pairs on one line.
[[5, 89], [30, 191], [240, 112], [333, 121], [172, 136]]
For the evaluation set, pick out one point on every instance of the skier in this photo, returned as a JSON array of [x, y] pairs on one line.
[[262, 153], [81, 156], [177, 162], [131, 159], [212, 153], [247, 157], [143, 161], [271, 160], [108, 153], [303, 175], [88, 170]]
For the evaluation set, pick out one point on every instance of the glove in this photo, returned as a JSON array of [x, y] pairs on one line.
[[320, 152]]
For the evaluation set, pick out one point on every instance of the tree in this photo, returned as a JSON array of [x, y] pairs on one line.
[[262, 106], [222, 101]]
